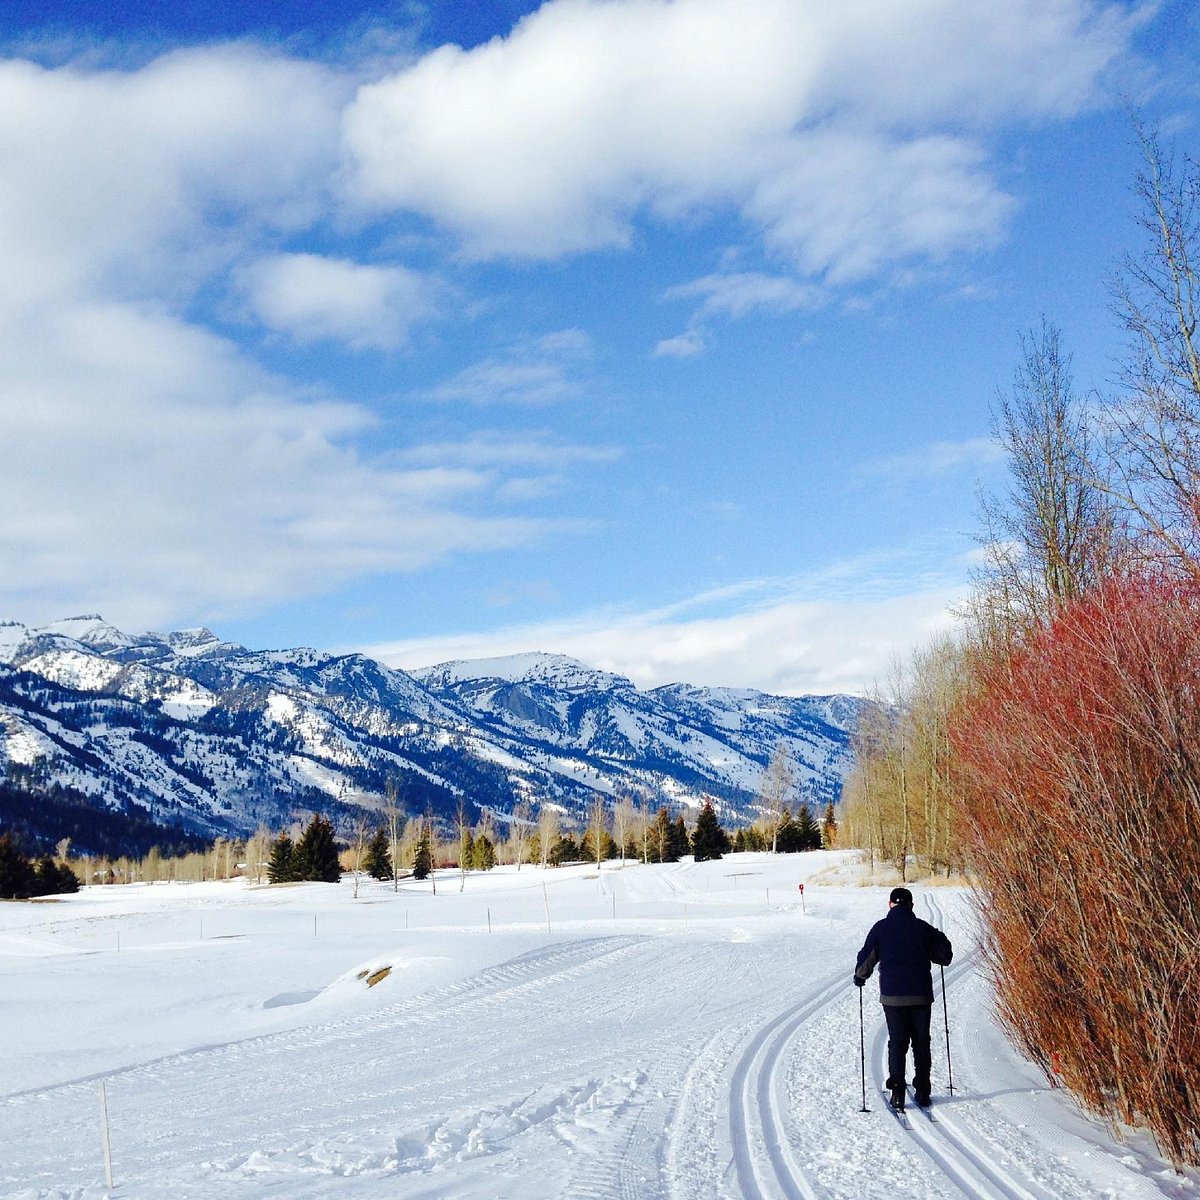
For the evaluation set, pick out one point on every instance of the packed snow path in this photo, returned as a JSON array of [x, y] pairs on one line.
[[685, 1032]]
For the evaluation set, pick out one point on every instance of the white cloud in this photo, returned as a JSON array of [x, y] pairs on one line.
[[738, 293], [735, 295], [850, 135], [313, 298], [535, 373], [124, 181], [772, 635], [938, 458], [685, 345], [152, 469], [489, 448]]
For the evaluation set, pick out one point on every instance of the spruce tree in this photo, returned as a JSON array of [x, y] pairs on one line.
[[17, 878], [378, 861], [423, 859], [829, 828], [280, 868], [316, 856], [565, 850], [679, 842], [808, 832], [787, 835], [485, 853], [709, 840]]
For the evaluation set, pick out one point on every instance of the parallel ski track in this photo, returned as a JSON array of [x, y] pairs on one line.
[[967, 1165], [755, 1089]]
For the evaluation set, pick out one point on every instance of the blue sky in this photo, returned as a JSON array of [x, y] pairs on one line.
[[658, 333]]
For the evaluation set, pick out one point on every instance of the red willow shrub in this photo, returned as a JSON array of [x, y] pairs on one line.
[[1079, 748]]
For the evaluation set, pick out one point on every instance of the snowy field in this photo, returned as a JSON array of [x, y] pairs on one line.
[[685, 1031]]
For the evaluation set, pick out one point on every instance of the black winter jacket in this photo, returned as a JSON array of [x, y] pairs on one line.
[[903, 945]]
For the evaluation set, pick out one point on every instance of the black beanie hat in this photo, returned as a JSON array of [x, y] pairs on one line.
[[901, 896]]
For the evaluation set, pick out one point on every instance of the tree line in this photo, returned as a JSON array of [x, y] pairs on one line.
[[22, 878], [403, 845], [1051, 745]]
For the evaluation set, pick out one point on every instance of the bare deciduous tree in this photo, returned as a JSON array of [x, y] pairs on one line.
[[548, 827], [624, 817], [775, 792], [1158, 420], [1047, 539]]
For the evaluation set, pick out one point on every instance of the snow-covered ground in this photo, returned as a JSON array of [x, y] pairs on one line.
[[685, 1031]]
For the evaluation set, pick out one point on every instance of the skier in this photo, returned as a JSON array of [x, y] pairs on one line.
[[904, 946]]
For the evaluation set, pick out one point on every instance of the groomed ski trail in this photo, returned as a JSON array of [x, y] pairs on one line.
[[765, 1165]]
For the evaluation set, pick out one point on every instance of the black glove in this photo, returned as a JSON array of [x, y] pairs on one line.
[[859, 982]]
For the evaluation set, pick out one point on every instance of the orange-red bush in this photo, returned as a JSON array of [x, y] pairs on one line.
[[1080, 756]]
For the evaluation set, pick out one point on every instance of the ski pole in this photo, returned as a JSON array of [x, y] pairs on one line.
[[862, 1051], [946, 1021]]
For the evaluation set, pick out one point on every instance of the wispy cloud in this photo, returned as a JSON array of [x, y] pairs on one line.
[[738, 294], [938, 458], [537, 372], [836, 631]]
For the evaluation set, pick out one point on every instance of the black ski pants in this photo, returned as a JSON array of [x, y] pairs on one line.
[[909, 1024]]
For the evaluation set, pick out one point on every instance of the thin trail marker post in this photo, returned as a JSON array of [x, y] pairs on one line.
[[802, 908], [862, 1050], [946, 1020], [546, 898], [108, 1179]]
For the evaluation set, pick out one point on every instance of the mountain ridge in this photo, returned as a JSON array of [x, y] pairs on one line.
[[213, 737]]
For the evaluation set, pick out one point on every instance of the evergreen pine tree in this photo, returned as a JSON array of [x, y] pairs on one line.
[[378, 861], [423, 859], [829, 828], [17, 879], [709, 840], [680, 843], [280, 868], [467, 852], [659, 841], [787, 837], [315, 856], [566, 849], [485, 853], [808, 832]]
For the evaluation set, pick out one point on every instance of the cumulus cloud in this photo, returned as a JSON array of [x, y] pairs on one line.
[[128, 181], [313, 298], [153, 470], [850, 135]]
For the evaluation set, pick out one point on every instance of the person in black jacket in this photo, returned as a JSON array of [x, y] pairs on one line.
[[903, 946]]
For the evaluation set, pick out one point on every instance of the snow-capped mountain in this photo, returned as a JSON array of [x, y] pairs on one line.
[[189, 730]]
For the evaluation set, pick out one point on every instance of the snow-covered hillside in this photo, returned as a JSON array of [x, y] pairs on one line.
[[683, 1032], [211, 736]]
